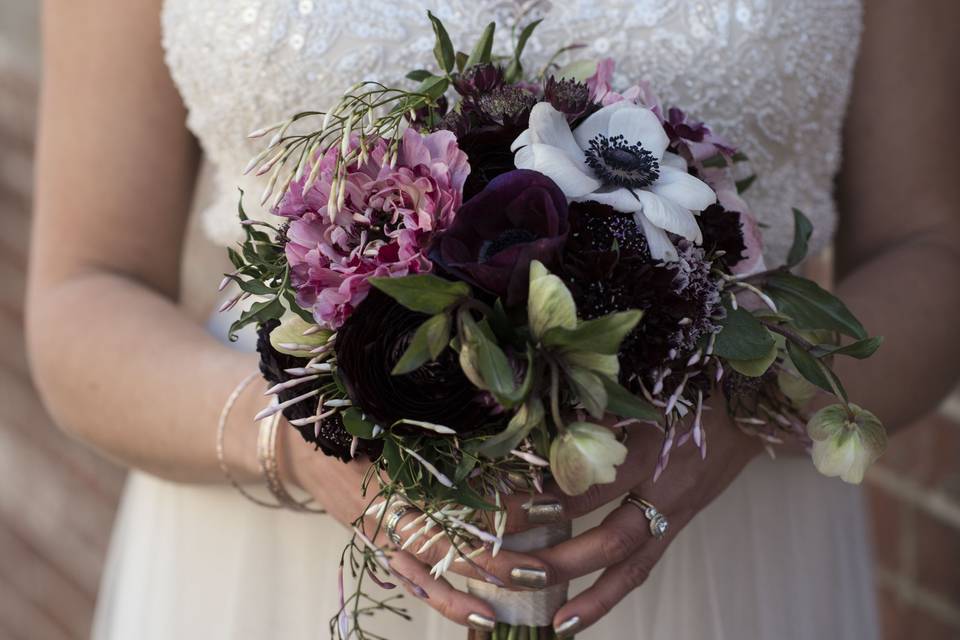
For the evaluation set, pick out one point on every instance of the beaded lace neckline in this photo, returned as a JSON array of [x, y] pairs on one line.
[[772, 75]]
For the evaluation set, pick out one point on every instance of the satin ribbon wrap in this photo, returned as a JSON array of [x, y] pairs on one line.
[[526, 608]]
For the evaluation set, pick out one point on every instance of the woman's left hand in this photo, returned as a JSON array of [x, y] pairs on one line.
[[623, 545]]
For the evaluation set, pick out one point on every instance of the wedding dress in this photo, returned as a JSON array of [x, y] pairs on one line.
[[782, 554]]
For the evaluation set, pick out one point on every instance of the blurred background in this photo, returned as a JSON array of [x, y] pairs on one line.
[[57, 499]]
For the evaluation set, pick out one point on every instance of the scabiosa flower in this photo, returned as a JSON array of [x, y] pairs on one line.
[[368, 347], [618, 157], [388, 218], [608, 267]]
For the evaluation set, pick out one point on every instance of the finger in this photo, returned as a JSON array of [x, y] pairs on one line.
[[452, 604], [623, 533], [609, 589], [431, 545], [525, 511]]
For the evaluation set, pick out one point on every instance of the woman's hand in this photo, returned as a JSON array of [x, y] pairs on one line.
[[622, 545], [337, 488]]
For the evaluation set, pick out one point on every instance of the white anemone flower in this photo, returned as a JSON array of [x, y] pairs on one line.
[[618, 157]]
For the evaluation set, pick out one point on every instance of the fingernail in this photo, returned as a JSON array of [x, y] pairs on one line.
[[481, 623], [529, 577], [544, 512], [568, 627]]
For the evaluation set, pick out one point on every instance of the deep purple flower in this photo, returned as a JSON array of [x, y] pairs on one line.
[[478, 80], [520, 216], [569, 97], [369, 345], [692, 139]]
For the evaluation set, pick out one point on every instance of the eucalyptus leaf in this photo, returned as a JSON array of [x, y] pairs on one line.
[[355, 423], [860, 349], [483, 49], [443, 49], [529, 415], [622, 403], [514, 71], [811, 307], [425, 293], [756, 367], [743, 337], [419, 75], [815, 371], [590, 390], [802, 229], [601, 335]]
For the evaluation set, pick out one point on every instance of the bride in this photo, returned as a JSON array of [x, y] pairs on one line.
[[145, 106]]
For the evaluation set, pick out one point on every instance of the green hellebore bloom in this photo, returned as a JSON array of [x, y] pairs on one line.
[[288, 337], [584, 455], [844, 447], [550, 304]]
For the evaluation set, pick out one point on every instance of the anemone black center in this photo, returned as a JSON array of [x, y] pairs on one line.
[[621, 164], [503, 241]]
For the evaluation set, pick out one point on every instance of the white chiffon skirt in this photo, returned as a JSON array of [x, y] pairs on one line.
[[782, 554]]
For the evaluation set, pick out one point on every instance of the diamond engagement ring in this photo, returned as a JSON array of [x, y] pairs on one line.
[[394, 519], [658, 522]]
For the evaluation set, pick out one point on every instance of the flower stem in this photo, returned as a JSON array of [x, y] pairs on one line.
[[555, 396]]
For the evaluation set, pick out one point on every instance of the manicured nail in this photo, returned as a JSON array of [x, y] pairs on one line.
[[481, 623], [568, 627], [529, 577], [544, 512]]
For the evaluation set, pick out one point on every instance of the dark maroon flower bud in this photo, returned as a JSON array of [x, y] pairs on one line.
[[519, 217]]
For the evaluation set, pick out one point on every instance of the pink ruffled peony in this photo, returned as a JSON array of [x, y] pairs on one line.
[[387, 221]]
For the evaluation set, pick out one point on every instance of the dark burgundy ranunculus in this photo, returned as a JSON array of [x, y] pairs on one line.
[[369, 345], [521, 216]]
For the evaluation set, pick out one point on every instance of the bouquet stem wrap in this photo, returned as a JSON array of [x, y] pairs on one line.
[[526, 608]]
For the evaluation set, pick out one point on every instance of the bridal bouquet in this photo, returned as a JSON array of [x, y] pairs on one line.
[[479, 282]]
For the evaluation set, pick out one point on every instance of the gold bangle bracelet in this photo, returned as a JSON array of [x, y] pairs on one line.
[[269, 465], [221, 431]]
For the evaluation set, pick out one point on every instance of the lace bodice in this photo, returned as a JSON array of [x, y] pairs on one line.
[[771, 75]]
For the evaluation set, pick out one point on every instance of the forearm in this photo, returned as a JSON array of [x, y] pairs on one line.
[[123, 369], [909, 295]]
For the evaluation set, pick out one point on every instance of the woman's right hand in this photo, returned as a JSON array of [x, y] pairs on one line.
[[336, 486]]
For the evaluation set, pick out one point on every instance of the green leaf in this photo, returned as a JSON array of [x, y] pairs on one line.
[[461, 61], [528, 416], [860, 349], [811, 307], [715, 162], [590, 390], [417, 353], [443, 50], [259, 312], [743, 337], [466, 465], [483, 49], [622, 403], [801, 239], [255, 287], [438, 334], [489, 359], [235, 258], [514, 71], [419, 75], [425, 293], [292, 304], [756, 367], [601, 335], [355, 423], [606, 365], [815, 371], [464, 495], [746, 183]]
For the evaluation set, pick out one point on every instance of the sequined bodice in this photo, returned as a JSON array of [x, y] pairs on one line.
[[771, 75]]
